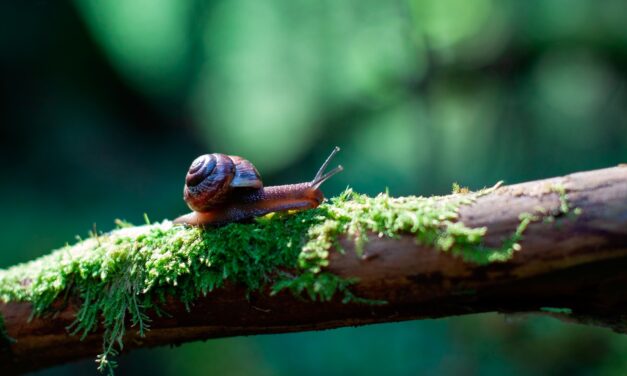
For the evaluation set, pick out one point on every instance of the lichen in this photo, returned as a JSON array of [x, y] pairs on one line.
[[123, 275]]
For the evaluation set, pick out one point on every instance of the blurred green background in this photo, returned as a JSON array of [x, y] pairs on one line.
[[105, 103]]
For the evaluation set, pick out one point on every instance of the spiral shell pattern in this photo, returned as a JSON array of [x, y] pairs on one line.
[[208, 180]]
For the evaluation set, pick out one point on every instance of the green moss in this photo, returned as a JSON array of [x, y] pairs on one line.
[[482, 255], [565, 205], [562, 311], [123, 274], [459, 189]]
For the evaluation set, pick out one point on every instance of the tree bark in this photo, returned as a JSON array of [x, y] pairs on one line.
[[576, 262]]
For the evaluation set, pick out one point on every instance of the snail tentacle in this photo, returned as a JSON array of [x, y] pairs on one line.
[[321, 177]]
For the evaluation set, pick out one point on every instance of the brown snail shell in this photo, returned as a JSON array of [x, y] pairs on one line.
[[211, 177]]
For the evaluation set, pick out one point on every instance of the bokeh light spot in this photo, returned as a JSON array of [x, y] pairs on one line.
[[447, 22], [146, 40], [573, 82]]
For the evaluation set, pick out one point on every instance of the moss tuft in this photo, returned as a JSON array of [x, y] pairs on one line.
[[123, 274]]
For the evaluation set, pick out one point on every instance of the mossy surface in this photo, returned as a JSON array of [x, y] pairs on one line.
[[123, 274]]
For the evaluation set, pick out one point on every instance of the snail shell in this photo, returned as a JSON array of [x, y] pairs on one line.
[[212, 177]]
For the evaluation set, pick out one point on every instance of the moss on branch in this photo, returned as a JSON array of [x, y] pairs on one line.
[[123, 275]]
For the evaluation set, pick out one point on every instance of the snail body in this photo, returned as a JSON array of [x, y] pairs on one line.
[[220, 189]]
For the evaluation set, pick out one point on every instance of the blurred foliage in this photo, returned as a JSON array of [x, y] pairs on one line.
[[105, 103]]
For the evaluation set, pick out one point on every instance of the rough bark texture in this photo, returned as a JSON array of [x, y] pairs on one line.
[[576, 261]]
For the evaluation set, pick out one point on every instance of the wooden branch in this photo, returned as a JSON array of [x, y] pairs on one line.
[[576, 262]]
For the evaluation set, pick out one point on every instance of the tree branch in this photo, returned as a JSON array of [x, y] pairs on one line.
[[570, 262]]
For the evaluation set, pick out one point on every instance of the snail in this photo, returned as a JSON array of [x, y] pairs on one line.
[[223, 188]]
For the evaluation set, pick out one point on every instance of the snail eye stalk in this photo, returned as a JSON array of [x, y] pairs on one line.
[[321, 177]]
